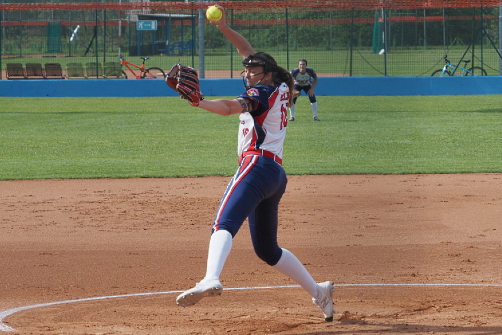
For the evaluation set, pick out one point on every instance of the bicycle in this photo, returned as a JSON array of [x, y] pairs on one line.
[[454, 70], [141, 72]]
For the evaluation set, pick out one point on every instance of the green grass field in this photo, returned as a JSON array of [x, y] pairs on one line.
[[165, 137]]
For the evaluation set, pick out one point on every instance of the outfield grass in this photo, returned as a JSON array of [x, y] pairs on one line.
[[165, 137]]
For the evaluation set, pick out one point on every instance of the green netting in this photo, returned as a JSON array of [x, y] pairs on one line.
[[53, 37]]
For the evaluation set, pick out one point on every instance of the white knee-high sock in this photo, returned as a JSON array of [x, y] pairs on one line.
[[220, 245], [292, 111], [294, 269], [314, 108]]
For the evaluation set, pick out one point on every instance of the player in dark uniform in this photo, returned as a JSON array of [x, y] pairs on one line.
[[305, 80], [260, 181]]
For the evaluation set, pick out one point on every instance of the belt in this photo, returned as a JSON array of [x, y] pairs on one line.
[[261, 153]]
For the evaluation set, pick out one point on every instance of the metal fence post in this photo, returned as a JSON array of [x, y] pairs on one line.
[[96, 44], [231, 46], [201, 43], [500, 40], [1, 40], [351, 41], [287, 39], [104, 36], [385, 40]]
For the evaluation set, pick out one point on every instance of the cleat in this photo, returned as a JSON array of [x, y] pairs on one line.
[[291, 119], [205, 288], [316, 118], [325, 301]]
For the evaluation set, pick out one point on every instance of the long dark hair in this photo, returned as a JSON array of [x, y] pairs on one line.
[[279, 74]]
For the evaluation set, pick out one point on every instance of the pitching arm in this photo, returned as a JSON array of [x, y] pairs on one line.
[[238, 41]]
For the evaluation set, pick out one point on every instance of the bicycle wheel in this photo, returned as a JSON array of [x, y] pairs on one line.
[[124, 75], [154, 73], [476, 71], [439, 73]]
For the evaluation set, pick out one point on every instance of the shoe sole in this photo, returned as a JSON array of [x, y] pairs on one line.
[[330, 318], [192, 298]]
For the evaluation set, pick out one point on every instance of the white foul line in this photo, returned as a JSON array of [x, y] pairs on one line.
[[9, 312], [4, 314]]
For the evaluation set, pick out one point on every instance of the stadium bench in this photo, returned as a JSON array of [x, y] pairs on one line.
[[15, 71], [53, 71], [34, 71], [75, 70]]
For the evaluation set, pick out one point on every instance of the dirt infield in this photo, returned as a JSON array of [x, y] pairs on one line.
[[409, 254]]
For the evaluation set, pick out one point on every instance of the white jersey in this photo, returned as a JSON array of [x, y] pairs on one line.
[[304, 79], [265, 126]]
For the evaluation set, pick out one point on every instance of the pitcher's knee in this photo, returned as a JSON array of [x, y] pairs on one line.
[[270, 256]]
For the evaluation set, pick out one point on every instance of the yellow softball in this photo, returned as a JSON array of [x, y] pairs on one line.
[[214, 14]]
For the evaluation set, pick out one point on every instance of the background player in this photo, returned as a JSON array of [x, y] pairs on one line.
[[305, 80], [260, 181]]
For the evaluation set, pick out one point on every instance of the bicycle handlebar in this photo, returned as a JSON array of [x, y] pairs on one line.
[[448, 62]]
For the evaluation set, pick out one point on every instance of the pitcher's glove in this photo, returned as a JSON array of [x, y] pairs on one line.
[[184, 80]]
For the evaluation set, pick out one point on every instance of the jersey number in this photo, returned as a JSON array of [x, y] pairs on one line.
[[284, 116]]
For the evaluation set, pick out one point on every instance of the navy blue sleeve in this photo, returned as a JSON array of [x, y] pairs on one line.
[[311, 72], [295, 72], [258, 96]]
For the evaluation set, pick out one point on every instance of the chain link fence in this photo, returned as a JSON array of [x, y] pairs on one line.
[[337, 40]]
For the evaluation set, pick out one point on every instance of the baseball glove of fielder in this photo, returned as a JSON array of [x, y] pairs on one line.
[[184, 80]]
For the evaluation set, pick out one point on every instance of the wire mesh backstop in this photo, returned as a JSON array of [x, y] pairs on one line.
[[338, 38]]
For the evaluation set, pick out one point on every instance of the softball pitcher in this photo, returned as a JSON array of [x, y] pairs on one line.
[[260, 181]]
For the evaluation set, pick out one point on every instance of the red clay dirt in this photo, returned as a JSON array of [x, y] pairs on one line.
[[409, 254]]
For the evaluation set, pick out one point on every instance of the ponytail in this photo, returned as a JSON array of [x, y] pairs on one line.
[[284, 76]]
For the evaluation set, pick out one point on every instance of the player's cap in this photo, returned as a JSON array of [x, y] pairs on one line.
[[261, 59], [249, 62]]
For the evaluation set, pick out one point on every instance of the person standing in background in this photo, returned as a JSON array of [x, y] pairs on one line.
[[305, 80]]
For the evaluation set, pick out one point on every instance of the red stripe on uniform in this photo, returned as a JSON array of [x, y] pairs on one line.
[[271, 101], [246, 166]]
